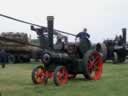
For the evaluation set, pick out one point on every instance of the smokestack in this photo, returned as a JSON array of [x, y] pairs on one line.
[[50, 22], [124, 32]]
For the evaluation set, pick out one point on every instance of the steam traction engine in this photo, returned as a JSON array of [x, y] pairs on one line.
[[115, 50], [64, 60]]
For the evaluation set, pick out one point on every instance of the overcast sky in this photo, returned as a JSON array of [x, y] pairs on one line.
[[103, 18]]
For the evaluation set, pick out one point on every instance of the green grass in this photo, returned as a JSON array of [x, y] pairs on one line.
[[15, 80]]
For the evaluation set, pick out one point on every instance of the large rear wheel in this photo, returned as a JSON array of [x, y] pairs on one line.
[[93, 65], [39, 75], [60, 76]]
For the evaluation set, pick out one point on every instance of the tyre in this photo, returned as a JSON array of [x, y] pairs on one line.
[[39, 75], [93, 65], [60, 76]]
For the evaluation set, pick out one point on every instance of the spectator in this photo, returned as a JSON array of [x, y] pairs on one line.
[[3, 58]]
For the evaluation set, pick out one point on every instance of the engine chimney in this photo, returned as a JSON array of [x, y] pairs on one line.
[[124, 32], [50, 22]]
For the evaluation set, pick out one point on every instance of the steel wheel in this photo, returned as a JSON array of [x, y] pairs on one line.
[[39, 75], [93, 65], [60, 76]]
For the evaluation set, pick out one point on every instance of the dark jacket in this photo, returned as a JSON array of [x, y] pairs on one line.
[[3, 56], [83, 35]]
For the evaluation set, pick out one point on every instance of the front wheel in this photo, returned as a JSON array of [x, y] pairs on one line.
[[60, 76], [93, 65], [39, 75]]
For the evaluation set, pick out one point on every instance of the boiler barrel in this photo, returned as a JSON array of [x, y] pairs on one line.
[[52, 59], [55, 57]]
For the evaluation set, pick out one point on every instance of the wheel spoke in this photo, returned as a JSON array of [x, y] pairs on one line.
[[96, 59], [59, 75]]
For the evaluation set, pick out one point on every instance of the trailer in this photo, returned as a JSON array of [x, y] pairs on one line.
[[18, 47]]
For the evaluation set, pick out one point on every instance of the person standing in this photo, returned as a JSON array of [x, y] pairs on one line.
[[3, 58], [85, 43], [83, 35]]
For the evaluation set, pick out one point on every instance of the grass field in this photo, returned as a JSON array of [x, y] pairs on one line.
[[15, 80]]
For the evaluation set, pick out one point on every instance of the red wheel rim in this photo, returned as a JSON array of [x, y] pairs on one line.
[[49, 74], [62, 76], [95, 66], [40, 75]]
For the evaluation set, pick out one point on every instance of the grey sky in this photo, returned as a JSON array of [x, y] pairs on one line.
[[102, 18]]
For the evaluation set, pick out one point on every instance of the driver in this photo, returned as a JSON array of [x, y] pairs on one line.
[[84, 41], [83, 34]]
